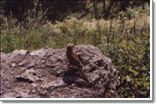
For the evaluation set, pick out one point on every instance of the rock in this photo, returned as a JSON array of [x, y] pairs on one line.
[[23, 79], [44, 73], [13, 64], [28, 76]]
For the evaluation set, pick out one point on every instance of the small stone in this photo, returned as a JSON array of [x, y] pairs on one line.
[[13, 64], [43, 92], [33, 91], [34, 85], [42, 61]]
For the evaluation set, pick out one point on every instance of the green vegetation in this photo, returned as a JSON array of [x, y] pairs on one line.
[[123, 35]]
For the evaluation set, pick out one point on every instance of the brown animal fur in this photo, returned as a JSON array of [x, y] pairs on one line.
[[73, 59]]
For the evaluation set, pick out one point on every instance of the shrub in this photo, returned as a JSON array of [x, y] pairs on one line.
[[124, 40]]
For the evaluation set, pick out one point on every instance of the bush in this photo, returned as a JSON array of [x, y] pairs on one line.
[[124, 40]]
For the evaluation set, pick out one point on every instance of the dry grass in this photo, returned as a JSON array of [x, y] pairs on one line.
[[125, 41]]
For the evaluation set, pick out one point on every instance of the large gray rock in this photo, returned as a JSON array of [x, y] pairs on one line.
[[44, 73]]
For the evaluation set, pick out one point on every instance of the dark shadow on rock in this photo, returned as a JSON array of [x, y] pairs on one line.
[[70, 76]]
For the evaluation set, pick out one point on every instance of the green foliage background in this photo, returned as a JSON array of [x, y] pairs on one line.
[[123, 34]]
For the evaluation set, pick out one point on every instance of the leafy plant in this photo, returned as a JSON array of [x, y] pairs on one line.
[[125, 39]]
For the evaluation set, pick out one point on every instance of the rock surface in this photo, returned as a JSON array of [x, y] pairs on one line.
[[44, 74]]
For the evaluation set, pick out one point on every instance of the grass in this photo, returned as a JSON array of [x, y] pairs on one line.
[[125, 41]]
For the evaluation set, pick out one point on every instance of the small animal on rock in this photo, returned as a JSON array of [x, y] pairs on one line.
[[74, 60]]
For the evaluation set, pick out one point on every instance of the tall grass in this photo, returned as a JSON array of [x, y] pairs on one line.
[[125, 41]]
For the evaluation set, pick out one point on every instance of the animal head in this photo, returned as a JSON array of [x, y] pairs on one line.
[[70, 47]]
